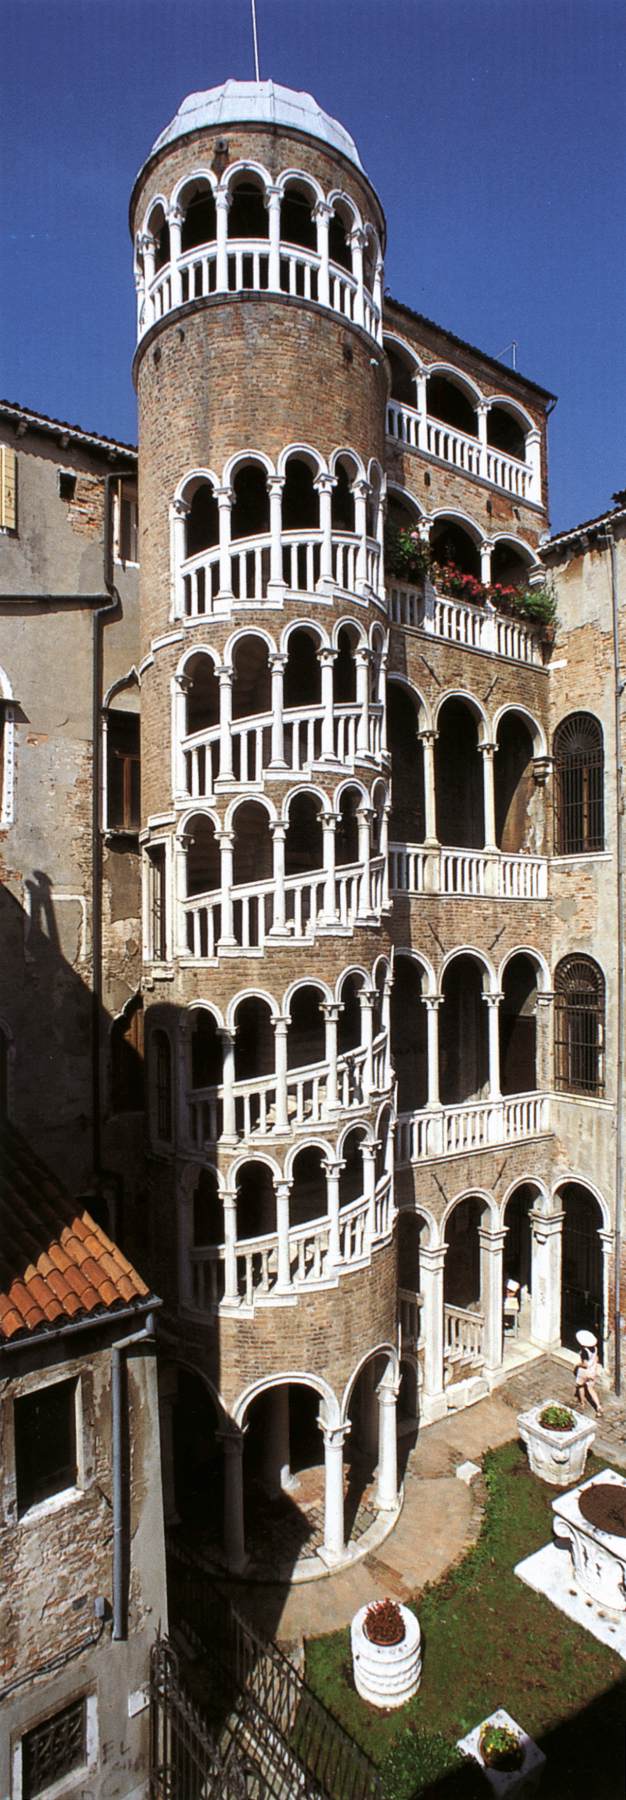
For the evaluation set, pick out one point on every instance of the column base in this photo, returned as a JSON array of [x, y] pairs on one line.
[[389, 1506], [332, 1558], [277, 589], [236, 1565]]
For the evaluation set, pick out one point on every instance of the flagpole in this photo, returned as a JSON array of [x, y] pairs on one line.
[[255, 41]]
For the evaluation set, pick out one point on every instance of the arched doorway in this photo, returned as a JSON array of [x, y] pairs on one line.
[[582, 1283]]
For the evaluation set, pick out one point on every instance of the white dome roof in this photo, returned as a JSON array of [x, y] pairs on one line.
[[258, 103]]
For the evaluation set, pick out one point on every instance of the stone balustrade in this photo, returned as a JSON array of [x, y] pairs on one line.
[[458, 622], [418, 431], [303, 274], [265, 1105], [475, 874], [204, 590], [251, 746], [471, 1125], [297, 908], [464, 1332], [317, 1255]]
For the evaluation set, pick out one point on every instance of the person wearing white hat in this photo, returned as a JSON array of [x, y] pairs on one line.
[[586, 1371]]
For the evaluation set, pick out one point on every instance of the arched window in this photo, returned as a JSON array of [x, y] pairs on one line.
[[162, 1075], [579, 785], [579, 1001]]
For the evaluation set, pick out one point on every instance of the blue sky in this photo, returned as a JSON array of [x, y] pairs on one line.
[[494, 131]]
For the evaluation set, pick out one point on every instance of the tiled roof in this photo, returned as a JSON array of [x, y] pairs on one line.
[[56, 1264], [11, 409]]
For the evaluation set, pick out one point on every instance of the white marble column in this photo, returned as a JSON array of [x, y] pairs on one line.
[[330, 915], [369, 1151], [224, 497], [431, 1326], [229, 1123], [545, 1279], [283, 1274], [181, 687], [361, 491], [485, 562], [175, 221], [428, 739], [225, 679], [363, 659], [278, 833], [331, 1010], [277, 666], [481, 422], [181, 846], [222, 204], [533, 461], [356, 241], [324, 485], [178, 541], [226, 840], [322, 215], [277, 583], [421, 404], [234, 1541], [272, 202], [367, 1001], [379, 294], [387, 1482], [326, 659], [332, 1171], [334, 1543], [491, 1293], [492, 1003], [281, 1026], [148, 245], [487, 752], [386, 1027], [365, 815], [229, 1202], [433, 1003]]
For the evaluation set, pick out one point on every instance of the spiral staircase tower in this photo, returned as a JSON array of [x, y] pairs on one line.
[[265, 780]]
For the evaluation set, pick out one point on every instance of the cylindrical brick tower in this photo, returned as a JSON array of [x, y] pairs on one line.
[[265, 780]]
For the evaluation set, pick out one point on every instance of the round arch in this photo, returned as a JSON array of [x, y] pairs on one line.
[[540, 742], [305, 453], [303, 179], [312, 626], [264, 801], [250, 993], [303, 981], [395, 679], [534, 956], [477, 956], [244, 459], [240, 636], [245, 166], [417, 956], [470, 1193], [393, 1365], [458, 378], [288, 1378], [474, 705]]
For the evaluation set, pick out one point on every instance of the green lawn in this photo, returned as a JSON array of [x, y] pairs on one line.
[[490, 1641]]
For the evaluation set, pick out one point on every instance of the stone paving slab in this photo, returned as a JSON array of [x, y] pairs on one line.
[[440, 1518]]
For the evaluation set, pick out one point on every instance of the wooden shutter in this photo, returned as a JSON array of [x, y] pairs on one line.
[[8, 488]]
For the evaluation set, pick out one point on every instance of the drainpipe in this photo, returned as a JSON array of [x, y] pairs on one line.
[[117, 1435], [618, 688]]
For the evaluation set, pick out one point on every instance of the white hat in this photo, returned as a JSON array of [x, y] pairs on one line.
[[513, 1287], [586, 1339]]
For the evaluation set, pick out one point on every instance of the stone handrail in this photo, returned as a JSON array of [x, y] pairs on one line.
[[458, 622], [409, 1308], [194, 274], [475, 873], [253, 907], [252, 745], [463, 1334], [249, 560], [309, 1255], [471, 1125], [421, 432]]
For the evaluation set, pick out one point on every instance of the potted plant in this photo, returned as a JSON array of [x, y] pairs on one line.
[[386, 1653], [558, 1440], [406, 554], [511, 1762]]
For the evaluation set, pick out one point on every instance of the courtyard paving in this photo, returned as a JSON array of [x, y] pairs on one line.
[[440, 1517]]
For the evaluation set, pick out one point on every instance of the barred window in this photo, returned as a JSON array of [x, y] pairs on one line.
[[579, 1000], [54, 1749], [579, 785], [163, 1084]]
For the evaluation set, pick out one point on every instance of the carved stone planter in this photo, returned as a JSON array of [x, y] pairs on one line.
[[558, 1457], [386, 1674], [504, 1783], [598, 1556]]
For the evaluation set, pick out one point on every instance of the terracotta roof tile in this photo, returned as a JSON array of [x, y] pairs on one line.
[[56, 1262]]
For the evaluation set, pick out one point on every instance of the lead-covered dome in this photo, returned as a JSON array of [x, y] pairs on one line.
[[258, 103]]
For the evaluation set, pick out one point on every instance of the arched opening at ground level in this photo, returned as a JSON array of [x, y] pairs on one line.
[[582, 1265]]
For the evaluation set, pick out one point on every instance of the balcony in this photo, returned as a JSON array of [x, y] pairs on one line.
[[297, 908], [247, 267], [263, 1107], [469, 874], [477, 1125], [317, 1256], [458, 622], [205, 592], [406, 426], [252, 752]]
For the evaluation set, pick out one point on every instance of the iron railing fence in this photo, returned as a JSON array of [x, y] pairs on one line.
[[251, 1680]]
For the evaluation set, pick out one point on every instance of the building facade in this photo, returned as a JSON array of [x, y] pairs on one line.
[[379, 834]]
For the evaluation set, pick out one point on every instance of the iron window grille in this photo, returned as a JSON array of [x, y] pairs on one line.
[[54, 1749], [579, 1000], [579, 785]]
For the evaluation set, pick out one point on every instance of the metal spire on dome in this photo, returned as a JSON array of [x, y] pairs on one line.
[[255, 41]]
